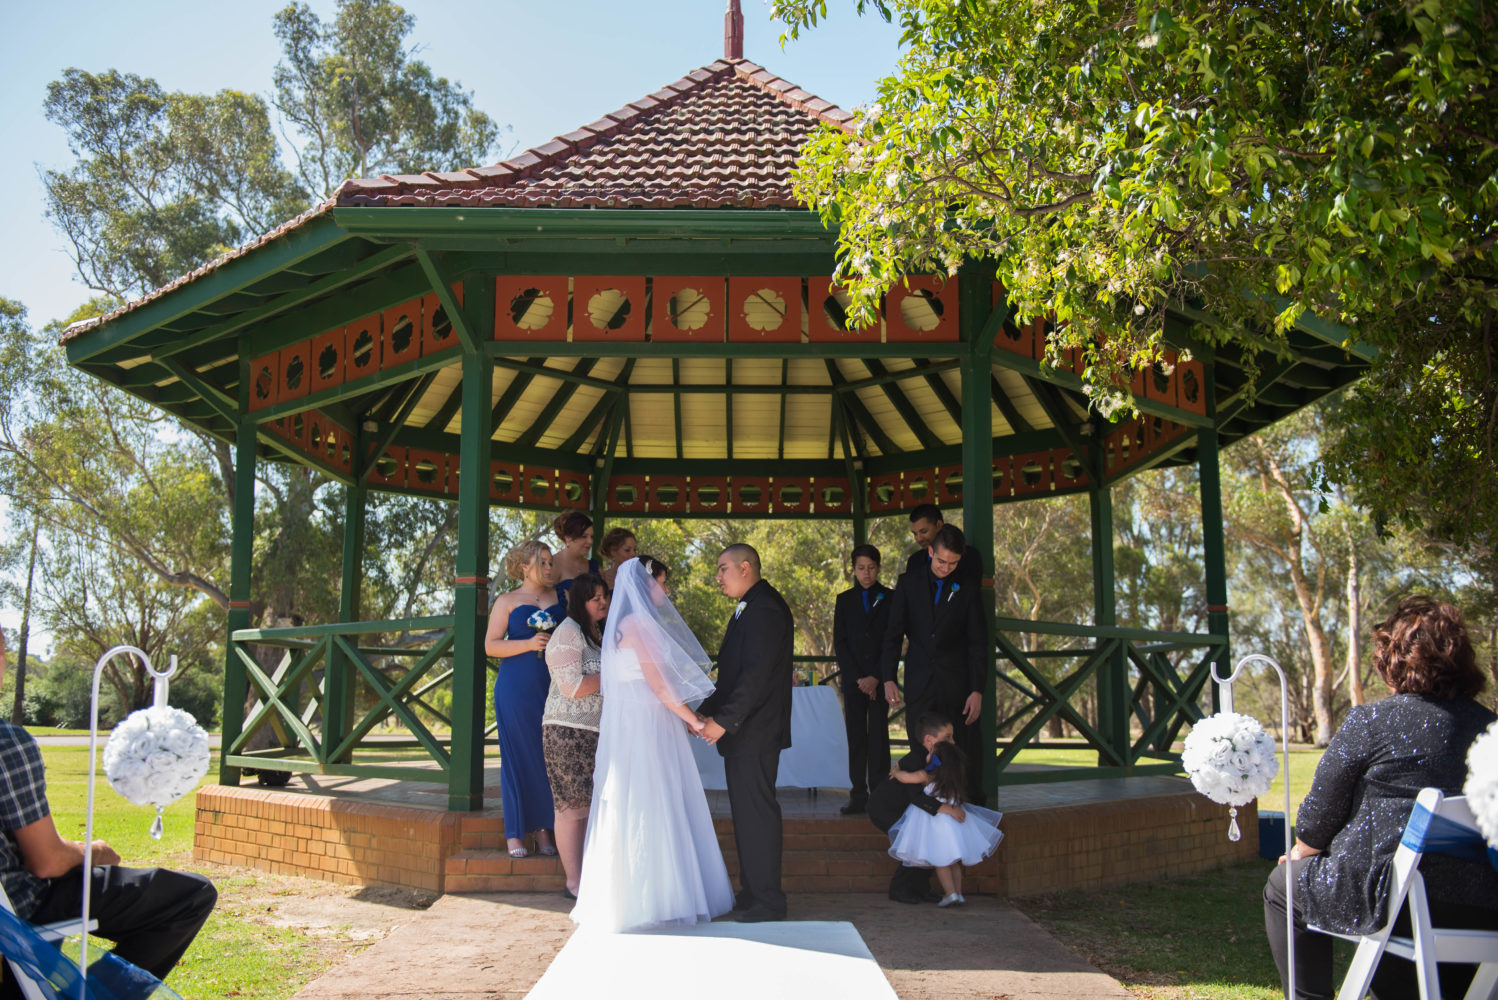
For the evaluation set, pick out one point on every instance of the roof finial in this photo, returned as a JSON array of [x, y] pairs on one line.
[[733, 31]]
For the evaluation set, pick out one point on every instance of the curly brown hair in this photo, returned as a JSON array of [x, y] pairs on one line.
[[571, 525], [1422, 648], [612, 539]]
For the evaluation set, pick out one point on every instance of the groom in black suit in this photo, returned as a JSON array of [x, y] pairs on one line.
[[748, 718], [944, 665]]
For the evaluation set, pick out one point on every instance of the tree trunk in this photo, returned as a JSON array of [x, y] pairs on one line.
[[18, 708], [1354, 627]]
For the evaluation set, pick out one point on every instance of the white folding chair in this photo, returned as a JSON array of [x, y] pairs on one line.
[[1437, 824], [53, 933]]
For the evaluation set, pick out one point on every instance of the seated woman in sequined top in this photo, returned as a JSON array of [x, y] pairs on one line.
[[1351, 821]]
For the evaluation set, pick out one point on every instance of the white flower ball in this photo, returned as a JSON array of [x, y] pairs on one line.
[[1481, 788], [156, 756], [1230, 758]]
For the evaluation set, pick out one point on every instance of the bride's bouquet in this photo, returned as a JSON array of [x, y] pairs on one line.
[[1231, 761]]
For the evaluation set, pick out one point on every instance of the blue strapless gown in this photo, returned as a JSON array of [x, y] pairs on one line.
[[566, 585], [519, 699]]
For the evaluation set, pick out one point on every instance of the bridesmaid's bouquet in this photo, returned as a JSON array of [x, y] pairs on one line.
[[542, 621]]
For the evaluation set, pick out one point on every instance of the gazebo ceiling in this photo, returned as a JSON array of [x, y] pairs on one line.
[[656, 304]]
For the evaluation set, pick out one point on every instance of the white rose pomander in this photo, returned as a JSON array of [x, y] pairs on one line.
[[1481, 788], [1231, 761], [156, 756]]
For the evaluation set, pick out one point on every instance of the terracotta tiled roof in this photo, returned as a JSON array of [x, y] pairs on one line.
[[723, 136]]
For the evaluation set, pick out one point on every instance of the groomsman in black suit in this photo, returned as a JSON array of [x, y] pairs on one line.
[[748, 718], [859, 619], [945, 662], [925, 522]]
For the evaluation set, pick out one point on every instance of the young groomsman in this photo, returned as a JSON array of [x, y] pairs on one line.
[[859, 619]]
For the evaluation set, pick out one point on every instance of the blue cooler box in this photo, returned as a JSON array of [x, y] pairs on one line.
[[1271, 834]]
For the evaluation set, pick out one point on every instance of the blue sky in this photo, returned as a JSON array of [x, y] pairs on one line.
[[542, 68]]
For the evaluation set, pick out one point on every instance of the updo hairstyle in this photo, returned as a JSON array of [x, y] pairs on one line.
[[657, 569], [522, 555], [612, 539], [571, 525], [1422, 648]]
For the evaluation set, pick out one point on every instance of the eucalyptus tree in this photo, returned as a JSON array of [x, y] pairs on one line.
[[1267, 163]]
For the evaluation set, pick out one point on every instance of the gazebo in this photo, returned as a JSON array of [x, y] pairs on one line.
[[636, 319]]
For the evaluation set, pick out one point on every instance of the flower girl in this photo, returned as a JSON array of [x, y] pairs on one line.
[[939, 841]]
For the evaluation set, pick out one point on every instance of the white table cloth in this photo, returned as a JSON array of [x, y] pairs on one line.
[[818, 754]]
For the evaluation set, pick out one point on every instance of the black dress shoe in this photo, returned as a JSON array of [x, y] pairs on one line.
[[568, 893], [757, 914], [854, 807], [742, 901]]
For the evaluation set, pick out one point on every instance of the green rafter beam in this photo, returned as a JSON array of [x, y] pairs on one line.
[[859, 415], [1049, 398], [442, 286], [511, 395], [1017, 423], [223, 404], [387, 434], [603, 409], [903, 405], [533, 433]]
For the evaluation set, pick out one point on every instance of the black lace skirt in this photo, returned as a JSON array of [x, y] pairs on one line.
[[569, 764]]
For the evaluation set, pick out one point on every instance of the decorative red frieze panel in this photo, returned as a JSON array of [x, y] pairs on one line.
[[294, 371], [948, 483], [530, 307], [832, 495], [917, 486], [504, 482], [764, 310], [362, 347], [608, 308], [538, 485], [828, 320], [1068, 470], [338, 447], [437, 330], [751, 494], [922, 307], [574, 490], [791, 495], [626, 494], [426, 471], [1032, 473], [688, 308], [1191, 390], [328, 361], [402, 334], [886, 493], [1003, 477], [668, 494], [390, 468], [264, 384], [1025, 339], [709, 494]]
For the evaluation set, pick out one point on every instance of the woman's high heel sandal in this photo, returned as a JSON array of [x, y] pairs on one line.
[[519, 852]]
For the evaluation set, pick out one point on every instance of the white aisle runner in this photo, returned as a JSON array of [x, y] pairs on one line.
[[792, 960]]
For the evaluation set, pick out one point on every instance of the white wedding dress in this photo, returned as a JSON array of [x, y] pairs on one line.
[[651, 858]]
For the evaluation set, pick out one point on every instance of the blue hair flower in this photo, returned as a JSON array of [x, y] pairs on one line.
[[935, 763]]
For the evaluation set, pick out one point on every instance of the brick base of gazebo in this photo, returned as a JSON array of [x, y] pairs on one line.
[[1065, 835]]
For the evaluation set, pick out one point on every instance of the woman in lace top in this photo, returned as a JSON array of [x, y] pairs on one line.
[[569, 723]]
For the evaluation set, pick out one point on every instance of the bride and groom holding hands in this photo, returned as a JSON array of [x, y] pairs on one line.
[[651, 857]]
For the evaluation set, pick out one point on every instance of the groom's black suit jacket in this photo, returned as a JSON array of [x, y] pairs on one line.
[[945, 661], [752, 701]]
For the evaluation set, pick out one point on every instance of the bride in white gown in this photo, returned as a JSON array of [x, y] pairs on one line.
[[651, 858]]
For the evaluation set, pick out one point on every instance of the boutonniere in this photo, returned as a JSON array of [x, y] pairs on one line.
[[953, 592], [876, 601], [739, 609]]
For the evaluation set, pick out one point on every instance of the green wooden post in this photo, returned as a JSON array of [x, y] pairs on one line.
[[471, 584], [1214, 543], [1112, 676], [338, 676], [241, 557], [977, 492]]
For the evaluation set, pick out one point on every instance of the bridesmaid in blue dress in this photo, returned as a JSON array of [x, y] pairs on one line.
[[520, 694], [575, 529]]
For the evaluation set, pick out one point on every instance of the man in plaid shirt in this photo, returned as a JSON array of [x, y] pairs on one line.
[[151, 914]]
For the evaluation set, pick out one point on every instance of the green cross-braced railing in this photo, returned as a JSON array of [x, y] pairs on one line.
[[1173, 696], [293, 699]]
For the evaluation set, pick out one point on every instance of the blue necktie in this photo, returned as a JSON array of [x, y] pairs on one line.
[[937, 600], [865, 602]]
